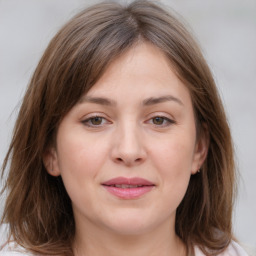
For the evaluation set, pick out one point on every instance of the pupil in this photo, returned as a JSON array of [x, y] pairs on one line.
[[158, 120], [96, 120]]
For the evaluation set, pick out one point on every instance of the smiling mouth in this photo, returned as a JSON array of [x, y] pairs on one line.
[[128, 188]]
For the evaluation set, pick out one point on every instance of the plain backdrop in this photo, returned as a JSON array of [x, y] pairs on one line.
[[226, 31]]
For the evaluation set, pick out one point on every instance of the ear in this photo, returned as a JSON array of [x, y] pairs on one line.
[[201, 149], [50, 160]]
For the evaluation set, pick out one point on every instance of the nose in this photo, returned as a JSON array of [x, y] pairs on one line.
[[128, 147]]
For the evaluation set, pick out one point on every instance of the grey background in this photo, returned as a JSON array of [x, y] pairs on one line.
[[226, 30]]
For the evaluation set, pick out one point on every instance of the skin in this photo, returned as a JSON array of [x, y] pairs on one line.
[[128, 139]]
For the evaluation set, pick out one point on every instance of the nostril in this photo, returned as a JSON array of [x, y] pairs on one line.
[[119, 159]]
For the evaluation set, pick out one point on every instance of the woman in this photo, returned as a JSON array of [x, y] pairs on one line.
[[121, 145]]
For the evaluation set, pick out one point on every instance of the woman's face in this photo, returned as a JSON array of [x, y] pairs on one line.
[[127, 149]]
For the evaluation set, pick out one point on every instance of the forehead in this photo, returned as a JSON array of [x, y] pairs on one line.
[[141, 72]]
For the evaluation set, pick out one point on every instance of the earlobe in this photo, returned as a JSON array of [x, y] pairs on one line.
[[201, 150], [50, 160]]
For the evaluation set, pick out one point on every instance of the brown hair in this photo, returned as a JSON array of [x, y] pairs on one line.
[[38, 209]]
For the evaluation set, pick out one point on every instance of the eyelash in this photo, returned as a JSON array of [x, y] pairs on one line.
[[88, 121], [166, 121]]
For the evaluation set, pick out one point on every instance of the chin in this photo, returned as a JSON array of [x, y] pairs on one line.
[[129, 224], [130, 229]]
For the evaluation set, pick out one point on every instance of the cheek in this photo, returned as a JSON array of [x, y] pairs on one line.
[[77, 152], [174, 155], [79, 159], [173, 160]]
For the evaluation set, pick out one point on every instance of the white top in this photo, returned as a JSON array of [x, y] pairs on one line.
[[233, 249]]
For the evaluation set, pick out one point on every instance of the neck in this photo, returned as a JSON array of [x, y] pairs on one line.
[[161, 242]]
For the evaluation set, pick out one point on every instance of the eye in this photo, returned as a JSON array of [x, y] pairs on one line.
[[161, 121], [95, 121]]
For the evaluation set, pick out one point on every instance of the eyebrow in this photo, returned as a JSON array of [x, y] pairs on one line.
[[97, 100], [147, 102], [157, 100]]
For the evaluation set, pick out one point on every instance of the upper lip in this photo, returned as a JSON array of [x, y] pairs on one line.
[[128, 181]]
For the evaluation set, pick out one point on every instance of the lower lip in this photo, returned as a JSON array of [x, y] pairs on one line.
[[129, 193]]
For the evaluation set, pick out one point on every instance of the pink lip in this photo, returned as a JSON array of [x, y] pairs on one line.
[[144, 186]]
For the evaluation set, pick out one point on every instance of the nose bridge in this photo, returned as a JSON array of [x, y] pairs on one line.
[[129, 147]]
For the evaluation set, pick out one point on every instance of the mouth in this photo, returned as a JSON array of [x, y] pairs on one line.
[[128, 188], [125, 186]]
